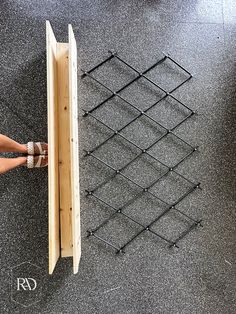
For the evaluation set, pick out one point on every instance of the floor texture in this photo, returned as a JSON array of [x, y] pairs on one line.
[[199, 277]]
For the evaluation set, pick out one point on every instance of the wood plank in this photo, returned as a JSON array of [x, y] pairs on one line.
[[75, 188], [64, 150], [53, 196], [63, 154]]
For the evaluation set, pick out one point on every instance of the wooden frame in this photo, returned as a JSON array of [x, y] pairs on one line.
[[63, 152]]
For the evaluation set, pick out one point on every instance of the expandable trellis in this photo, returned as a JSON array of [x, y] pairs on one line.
[[143, 151]]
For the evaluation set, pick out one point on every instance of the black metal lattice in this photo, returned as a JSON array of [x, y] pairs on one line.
[[166, 132]]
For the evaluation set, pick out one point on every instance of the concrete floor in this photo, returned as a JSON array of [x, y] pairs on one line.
[[149, 278]]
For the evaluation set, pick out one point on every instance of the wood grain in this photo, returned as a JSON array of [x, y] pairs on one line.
[[64, 150], [53, 184], [75, 187]]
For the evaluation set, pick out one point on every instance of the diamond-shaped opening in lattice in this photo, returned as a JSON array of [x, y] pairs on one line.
[[95, 171], [95, 131], [170, 150], [92, 93], [144, 170], [117, 190], [168, 75], [171, 187], [143, 132], [116, 113], [98, 212], [144, 209], [142, 93], [119, 230], [171, 225], [114, 74], [169, 112], [116, 152]]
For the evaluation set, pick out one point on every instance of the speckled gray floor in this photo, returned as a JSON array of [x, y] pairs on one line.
[[200, 276]]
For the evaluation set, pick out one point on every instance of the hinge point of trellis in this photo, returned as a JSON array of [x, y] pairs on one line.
[[88, 192], [112, 53], [83, 74], [120, 251], [175, 166], [85, 112], [87, 152], [198, 186], [166, 54], [174, 245], [199, 223], [89, 233]]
